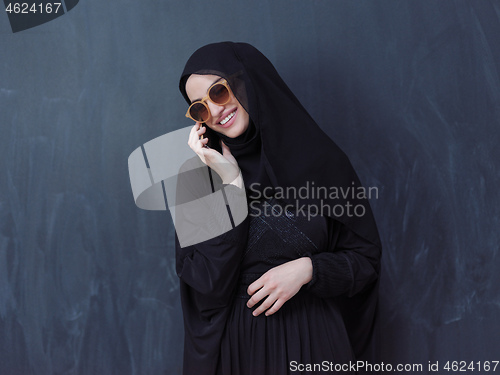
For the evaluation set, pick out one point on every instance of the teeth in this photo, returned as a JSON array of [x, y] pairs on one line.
[[229, 117]]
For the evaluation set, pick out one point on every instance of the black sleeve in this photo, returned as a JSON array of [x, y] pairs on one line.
[[211, 268], [208, 273], [350, 264], [208, 268]]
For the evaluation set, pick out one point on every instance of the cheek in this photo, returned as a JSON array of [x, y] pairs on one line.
[[211, 125], [242, 110], [245, 117]]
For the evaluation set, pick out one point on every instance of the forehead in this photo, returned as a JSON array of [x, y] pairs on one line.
[[198, 84]]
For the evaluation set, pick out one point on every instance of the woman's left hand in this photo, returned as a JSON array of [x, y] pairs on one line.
[[279, 284]]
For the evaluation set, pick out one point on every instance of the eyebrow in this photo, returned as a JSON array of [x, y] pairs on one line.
[[213, 83]]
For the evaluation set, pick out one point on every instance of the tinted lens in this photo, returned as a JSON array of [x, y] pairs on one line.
[[199, 112], [219, 94]]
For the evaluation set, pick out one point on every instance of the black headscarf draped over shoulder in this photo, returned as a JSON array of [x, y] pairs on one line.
[[295, 153]]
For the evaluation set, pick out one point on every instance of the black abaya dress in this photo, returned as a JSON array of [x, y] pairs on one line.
[[308, 329]]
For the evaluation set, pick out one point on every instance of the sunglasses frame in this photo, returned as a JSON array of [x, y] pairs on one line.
[[207, 97]]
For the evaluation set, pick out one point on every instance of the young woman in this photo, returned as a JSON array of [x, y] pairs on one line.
[[293, 288]]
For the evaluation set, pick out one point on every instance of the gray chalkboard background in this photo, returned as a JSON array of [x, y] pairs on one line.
[[409, 89]]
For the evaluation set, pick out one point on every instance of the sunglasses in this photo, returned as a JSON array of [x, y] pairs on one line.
[[219, 93]]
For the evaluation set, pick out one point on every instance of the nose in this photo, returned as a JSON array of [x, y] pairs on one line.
[[215, 110]]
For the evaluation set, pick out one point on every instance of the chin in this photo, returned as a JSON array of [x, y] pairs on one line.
[[236, 130]]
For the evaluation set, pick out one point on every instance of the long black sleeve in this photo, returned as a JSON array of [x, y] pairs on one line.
[[211, 268], [350, 264], [209, 273]]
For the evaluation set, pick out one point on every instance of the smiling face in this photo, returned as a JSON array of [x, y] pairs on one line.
[[229, 119]]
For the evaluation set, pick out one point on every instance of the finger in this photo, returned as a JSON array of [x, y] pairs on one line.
[[195, 127], [193, 135], [268, 302], [262, 293], [195, 145], [201, 130], [275, 307], [194, 138], [256, 285], [204, 140]]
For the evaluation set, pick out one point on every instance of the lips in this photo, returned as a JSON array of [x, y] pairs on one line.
[[226, 119]]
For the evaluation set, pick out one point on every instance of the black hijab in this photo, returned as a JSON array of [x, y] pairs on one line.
[[284, 147]]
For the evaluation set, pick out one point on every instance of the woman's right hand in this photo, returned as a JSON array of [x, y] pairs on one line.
[[224, 164]]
